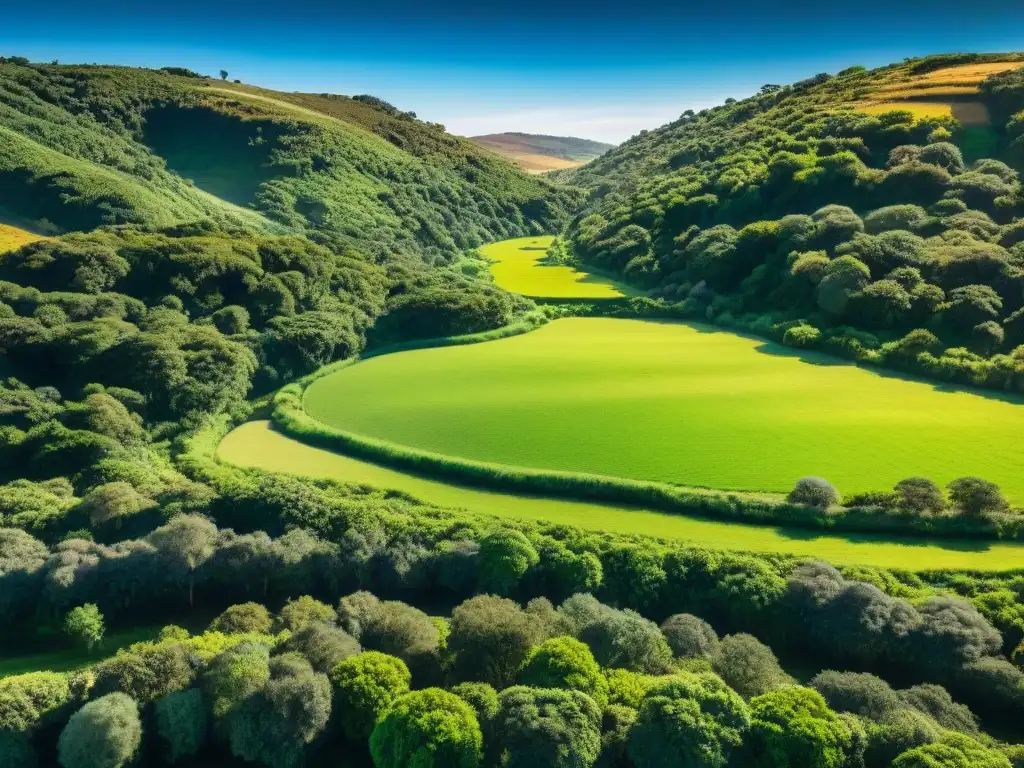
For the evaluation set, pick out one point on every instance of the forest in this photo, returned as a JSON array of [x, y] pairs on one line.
[[171, 294]]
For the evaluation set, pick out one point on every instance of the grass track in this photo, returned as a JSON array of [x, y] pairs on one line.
[[517, 268], [674, 403], [257, 445]]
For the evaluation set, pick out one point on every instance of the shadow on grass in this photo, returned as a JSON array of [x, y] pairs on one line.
[[956, 545]]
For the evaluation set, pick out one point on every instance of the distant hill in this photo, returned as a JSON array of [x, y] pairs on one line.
[[85, 146], [535, 153]]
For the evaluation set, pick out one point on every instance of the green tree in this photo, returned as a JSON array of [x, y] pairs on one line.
[[364, 687], [181, 722], [690, 721], [243, 618], [105, 733], [547, 728], [234, 675], [689, 636], [303, 611], [505, 555], [185, 543], [815, 492], [794, 728], [953, 750], [223, 74], [919, 494], [748, 666], [322, 645], [974, 496], [431, 728], [490, 638], [85, 624], [563, 662]]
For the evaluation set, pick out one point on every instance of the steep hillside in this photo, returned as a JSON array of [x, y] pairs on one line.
[[537, 153], [835, 213], [86, 146]]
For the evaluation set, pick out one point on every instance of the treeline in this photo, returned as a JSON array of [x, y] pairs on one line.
[[861, 235], [495, 683]]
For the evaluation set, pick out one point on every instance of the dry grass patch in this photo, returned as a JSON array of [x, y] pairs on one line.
[[12, 238]]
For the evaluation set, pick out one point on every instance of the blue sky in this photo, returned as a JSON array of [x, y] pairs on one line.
[[594, 69]]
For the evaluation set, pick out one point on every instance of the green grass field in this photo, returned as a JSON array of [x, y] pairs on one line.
[[257, 445], [517, 268], [675, 403], [70, 659]]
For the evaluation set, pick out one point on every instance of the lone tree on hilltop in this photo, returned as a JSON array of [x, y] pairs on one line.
[[223, 74]]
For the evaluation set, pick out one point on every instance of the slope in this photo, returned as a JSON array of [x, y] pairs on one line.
[[537, 153], [90, 145]]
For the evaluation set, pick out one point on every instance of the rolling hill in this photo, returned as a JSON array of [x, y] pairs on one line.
[[537, 153], [84, 146]]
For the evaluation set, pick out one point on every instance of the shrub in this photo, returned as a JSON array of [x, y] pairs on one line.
[[431, 728], [563, 662], [105, 733], [243, 618], [747, 665], [815, 492], [689, 636], [794, 728], [181, 722], [364, 687], [547, 728]]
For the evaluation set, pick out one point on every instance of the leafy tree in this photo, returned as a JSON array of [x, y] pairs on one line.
[[427, 728], [505, 555], [539, 728], [748, 666], [274, 725], [861, 693], [186, 543], [689, 636], [223, 74], [688, 720], [974, 496], [181, 722], [364, 687], [322, 645], [625, 639], [490, 638], [793, 728], [403, 631], [953, 750], [898, 731], [234, 675], [935, 701], [85, 624], [244, 618], [563, 662], [105, 733], [304, 611], [921, 495], [145, 671], [815, 492]]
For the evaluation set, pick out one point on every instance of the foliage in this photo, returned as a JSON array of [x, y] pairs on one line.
[[105, 733], [428, 728], [364, 687], [85, 624], [547, 728], [181, 722], [563, 662], [793, 727]]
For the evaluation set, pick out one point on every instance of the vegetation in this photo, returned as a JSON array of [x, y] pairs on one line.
[[318, 620], [525, 266], [536, 154]]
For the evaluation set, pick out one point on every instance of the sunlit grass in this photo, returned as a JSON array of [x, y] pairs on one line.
[[674, 403], [257, 445], [12, 238], [518, 267]]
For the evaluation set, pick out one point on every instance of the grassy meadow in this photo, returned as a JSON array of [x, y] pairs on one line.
[[257, 445], [518, 267], [12, 238], [674, 403]]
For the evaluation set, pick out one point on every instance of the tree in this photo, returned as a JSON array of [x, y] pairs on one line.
[[748, 666], [547, 728], [815, 492], [274, 725], [953, 750], [563, 662], [625, 639], [323, 645], [105, 733], [223, 74], [794, 728], [935, 701], [404, 631], [974, 496], [243, 618], [490, 638], [690, 721], [921, 495], [85, 624], [861, 693], [689, 636], [181, 722], [145, 671], [505, 555], [431, 728], [304, 611], [844, 277], [234, 675], [364, 687], [898, 731], [185, 543]]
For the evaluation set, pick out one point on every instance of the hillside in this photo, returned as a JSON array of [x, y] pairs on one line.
[[537, 153], [86, 146], [872, 214]]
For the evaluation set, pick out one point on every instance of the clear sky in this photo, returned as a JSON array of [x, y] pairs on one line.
[[594, 69]]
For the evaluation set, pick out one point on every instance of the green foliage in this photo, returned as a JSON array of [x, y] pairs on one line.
[[490, 638], [244, 617], [364, 687], [85, 625], [105, 733], [431, 728], [505, 556], [235, 675], [688, 720], [794, 728], [748, 666], [547, 728], [563, 662], [304, 611], [689, 636], [952, 751], [181, 722]]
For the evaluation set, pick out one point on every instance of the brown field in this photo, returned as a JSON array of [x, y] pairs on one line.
[[524, 156], [942, 93], [13, 237]]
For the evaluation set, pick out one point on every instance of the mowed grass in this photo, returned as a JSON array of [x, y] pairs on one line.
[[518, 268], [12, 238], [257, 445], [675, 403]]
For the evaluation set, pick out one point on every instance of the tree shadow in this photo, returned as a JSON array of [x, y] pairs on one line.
[[938, 542]]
